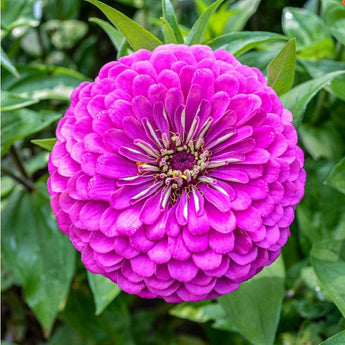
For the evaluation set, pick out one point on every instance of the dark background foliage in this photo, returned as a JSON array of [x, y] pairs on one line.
[[48, 48]]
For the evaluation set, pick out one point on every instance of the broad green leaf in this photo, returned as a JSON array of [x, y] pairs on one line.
[[338, 339], [197, 32], [6, 62], [20, 13], [115, 36], [170, 16], [43, 82], [309, 30], [336, 178], [322, 142], [18, 124], [328, 260], [12, 101], [319, 68], [297, 99], [333, 14], [169, 34], [281, 70], [40, 256], [238, 43], [104, 291], [321, 213], [242, 11], [47, 144], [255, 307], [136, 35]]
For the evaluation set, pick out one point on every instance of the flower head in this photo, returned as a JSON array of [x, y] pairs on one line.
[[176, 173]]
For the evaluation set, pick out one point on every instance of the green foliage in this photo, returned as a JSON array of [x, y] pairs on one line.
[[281, 70], [258, 300], [104, 291], [48, 48], [328, 260], [41, 257], [136, 35]]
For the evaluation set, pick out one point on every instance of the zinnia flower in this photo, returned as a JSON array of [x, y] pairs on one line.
[[176, 173]]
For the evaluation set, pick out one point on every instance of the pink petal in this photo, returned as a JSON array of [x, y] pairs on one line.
[[183, 271]]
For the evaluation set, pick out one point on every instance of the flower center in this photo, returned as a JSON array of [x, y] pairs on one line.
[[179, 163], [182, 163]]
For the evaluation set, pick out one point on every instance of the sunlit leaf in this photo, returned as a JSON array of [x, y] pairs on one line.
[[170, 16], [136, 35], [197, 32], [47, 144], [168, 32], [115, 36], [281, 70]]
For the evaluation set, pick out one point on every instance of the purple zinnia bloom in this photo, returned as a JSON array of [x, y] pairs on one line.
[[176, 173]]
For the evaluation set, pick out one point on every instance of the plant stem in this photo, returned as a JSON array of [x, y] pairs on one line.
[[18, 161], [27, 183]]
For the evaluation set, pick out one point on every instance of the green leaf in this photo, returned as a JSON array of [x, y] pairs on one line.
[[322, 142], [168, 32], [47, 144], [115, 36], [328, 260], [197, 32], [338, 339], [40, 256], [104, 291], [170, 16], [12, 101], [333, 14], [255, 307], [242, 11], [18, 124], [136, 35], [43, 82], [297, 99], [238, 43], [319, 68], [20, 13], [321, 213], [336, 178], [6, 62], [309, 31], [281, 70]]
